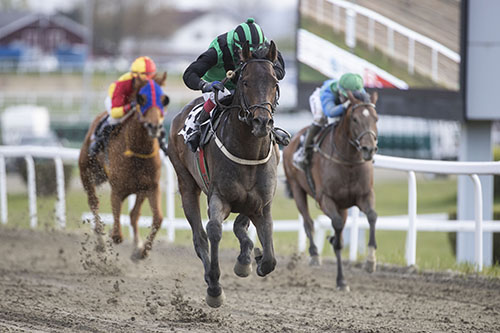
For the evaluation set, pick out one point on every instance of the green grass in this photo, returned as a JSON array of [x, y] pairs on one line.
[[434, 250]]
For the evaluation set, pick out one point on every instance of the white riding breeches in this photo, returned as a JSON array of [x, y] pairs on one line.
[[319, 117]]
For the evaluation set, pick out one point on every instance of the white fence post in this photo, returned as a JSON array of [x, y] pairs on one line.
[[302, 239], [61, 193], [30, 169], [3, 190], [354, 236], [411, 235], [478, 212], [170, 201]]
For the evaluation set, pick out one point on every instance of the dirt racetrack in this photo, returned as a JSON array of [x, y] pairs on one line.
[[52, 281]]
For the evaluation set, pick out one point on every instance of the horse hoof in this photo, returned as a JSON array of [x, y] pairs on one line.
[[315, 261], [217, 301], [344, 288], [257, 254], [242, 270], [138, 254], [371, 266], [117, 239]]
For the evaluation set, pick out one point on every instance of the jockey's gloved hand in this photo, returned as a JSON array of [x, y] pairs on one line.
[[212, 86]]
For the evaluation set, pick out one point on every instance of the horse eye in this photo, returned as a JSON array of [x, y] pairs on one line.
[[355, 119], [245, 83]]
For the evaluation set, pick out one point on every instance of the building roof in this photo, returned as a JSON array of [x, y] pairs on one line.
[[10, 21]]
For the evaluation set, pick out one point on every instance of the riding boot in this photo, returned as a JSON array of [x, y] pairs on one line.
[[302, 157], [193, 141], [101, 138], [281, 136], [162, 141]]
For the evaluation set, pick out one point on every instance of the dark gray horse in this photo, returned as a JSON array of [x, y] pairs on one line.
[[341, 176], [242, 161]]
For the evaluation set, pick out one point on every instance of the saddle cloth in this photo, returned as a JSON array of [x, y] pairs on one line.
[[189, 124]]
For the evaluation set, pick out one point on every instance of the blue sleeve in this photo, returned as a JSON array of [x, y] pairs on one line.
[[327, 97]]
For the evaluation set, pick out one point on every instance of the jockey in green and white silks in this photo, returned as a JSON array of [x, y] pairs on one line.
[[328, 101], [209, 69]]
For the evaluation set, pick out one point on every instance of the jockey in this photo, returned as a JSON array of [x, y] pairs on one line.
[[211, 66], [118, 105], [328, 101]]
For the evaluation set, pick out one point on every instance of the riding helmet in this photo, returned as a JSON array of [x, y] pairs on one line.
[[145, 66], [249, 31]]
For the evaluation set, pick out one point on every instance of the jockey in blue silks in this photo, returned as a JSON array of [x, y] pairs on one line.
[[329, 101]]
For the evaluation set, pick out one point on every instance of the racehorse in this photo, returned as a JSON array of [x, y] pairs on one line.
[[131, 163], [242, 160], [339, 176]]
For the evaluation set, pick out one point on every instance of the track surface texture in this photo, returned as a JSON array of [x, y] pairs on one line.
[[52, 281]]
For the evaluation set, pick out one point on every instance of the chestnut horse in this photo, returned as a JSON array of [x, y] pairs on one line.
[[341, 174], [131, 163], [242, 159]]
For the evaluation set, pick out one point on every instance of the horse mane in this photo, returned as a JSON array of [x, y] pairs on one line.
[[261, 52], [363, 96]]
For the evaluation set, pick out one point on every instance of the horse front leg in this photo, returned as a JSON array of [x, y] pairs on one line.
[[264, 224], [93, 202], [338, 218], [116, 207], [218, 212], [154, 201], [134, 219], [366, 205], [243, 265], [300, 197]]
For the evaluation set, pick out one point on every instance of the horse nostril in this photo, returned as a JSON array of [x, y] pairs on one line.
[[270, 123]]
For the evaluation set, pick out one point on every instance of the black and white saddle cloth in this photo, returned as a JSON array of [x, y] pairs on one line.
[[189, 125]]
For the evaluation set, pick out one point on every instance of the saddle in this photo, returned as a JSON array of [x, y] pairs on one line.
[[207, 129]]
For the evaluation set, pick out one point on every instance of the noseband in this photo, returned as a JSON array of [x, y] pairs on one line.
[[356, 142], [245, 112]]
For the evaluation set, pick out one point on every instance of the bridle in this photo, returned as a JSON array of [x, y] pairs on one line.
[[356, 142], [245, 113]]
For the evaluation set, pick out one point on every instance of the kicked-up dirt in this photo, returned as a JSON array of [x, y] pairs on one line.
[[53, 281]]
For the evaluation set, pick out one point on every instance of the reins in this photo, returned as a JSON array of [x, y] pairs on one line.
[[129, 153], [244, 114], [355, 143]]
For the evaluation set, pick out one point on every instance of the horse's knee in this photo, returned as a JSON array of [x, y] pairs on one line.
[[214, 231], [338, 222], [372, 216]]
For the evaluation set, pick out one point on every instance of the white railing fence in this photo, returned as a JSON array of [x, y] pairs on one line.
[[419, 52], [411, 223]]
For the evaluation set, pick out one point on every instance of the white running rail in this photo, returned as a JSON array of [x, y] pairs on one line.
[[410, 223]]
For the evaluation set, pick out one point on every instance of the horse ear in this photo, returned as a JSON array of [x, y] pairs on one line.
[[141, 99], [160, 79], [165, 100], [374, 97], [351, 97], [272, 53], [245, 52]]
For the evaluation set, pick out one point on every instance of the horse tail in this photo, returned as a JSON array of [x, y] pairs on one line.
[[288, 190]]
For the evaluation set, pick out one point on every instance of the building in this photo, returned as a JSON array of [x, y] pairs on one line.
[[32, 40]]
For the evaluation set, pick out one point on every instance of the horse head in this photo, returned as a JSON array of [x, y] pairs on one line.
[[152, 102], [362, 118], [257, 88]]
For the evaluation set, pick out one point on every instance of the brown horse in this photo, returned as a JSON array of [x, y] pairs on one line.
[[341, 172], [242, 159], [131, 163]]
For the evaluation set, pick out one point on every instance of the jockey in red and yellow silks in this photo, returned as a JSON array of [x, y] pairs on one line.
[[118, 105], [119, 91]]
